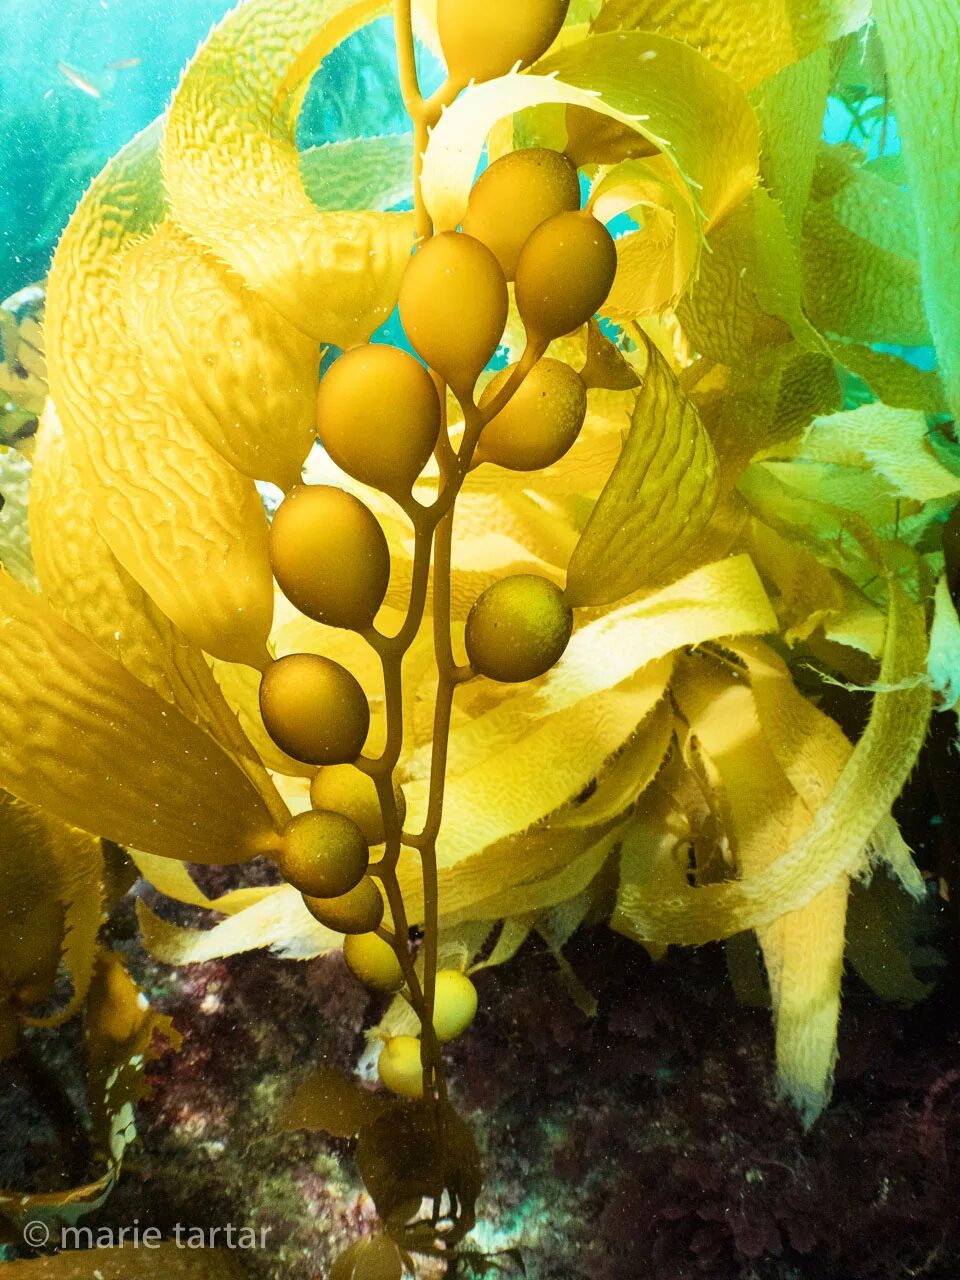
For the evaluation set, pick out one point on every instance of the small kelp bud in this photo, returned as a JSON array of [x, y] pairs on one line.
[[400, 1068], [518, 628], [314, 709], [373, 961], [345, 788], [358, 911], [453, 304], [323, 854], [540, 421], [330, 556], [375, 1259], [454, 1004], [518, 192], [565, 272], [482, 39], [378, 416]]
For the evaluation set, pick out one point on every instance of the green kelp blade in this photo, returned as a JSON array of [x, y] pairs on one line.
[[921, 43]]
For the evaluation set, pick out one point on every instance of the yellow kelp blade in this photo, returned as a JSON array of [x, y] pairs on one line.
[[751, 39], [181, 520], [657, 501], [510, 790], [802, 950], [721, 599], [692, 108], [79, 884], [82, 737], [81, 577], [174, 880], [841, 831], [921, 45], [243, 376], [665, 91], [15, 551], [278, 920], [556, 860], [233, 177]]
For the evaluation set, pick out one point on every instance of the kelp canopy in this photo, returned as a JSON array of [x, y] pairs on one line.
[[757, 506]]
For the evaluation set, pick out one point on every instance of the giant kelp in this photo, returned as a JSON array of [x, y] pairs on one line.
[[756, 490]]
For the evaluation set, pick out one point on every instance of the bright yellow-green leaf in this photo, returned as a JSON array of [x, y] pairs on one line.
[[82, 737], [921, 45], [894, 442], [692, 107], [180, 520], [232, 172], [364, 173], [660, 496], [790, 107], [854, 289], [752, 39]]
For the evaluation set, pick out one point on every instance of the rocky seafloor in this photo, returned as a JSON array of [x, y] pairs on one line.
[[645, 1142]]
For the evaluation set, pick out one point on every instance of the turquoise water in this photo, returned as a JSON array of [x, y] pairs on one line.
[[78, 78]]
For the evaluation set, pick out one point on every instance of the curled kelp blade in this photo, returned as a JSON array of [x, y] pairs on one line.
[[669, 104], [278, 920], [233, 172], [84, 739], [182, 522], [763, 813], [242, 375], [654, 263], [843, 826]]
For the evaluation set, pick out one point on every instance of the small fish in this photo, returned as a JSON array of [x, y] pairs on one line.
[[124, 64], [79, 79]]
